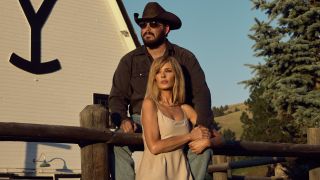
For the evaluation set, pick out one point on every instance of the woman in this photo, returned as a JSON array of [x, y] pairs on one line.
[[165, 121]]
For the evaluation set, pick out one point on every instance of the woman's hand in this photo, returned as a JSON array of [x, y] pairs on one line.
[[199, 145], [200, 132]]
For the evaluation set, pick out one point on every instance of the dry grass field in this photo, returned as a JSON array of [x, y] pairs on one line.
[[232, 118], [232, 121]]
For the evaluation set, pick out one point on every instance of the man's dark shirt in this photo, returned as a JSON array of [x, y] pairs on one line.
[[130, 82]]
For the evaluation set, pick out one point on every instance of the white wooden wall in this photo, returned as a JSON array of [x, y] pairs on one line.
[[85, 36]]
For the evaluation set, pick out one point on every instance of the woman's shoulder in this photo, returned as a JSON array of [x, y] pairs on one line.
[[148, 111], [149, 103]]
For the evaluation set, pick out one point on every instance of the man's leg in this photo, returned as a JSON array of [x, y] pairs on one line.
[[122, 167], [199, 163], [122, 164]]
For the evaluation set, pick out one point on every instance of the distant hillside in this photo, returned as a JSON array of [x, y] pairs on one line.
[[232, 118], [232, 121]]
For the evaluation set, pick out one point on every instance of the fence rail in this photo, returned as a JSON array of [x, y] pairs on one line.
[[80, 135], [10, 131]]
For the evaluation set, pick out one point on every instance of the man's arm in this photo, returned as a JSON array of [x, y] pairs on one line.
[[201, 97], [119, 97]]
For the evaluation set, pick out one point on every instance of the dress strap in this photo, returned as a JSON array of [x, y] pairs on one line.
[[157, 105]]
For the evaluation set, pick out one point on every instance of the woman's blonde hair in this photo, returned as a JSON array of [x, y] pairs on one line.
[[153, 91]]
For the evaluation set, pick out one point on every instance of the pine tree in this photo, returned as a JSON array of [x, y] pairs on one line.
[[289, 42], [229, 135], [262, 124]]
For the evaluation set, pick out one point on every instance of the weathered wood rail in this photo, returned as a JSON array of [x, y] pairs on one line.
[[94, 140], [10, 131], [83, 136]]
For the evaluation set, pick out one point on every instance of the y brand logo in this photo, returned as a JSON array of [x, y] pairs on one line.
[[36, 21]]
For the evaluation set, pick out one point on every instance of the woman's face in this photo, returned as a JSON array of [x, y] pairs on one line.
[[165, 77]]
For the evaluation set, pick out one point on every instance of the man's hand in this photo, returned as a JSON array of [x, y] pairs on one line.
[[128, 126], [199, 145], [217, 139]]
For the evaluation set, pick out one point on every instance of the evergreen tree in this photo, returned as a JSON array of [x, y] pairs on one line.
[[217, 111], [289, 42], [262, 125], [229, 135]]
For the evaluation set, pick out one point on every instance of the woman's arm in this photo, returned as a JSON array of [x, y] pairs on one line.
[[151, 131], [200, 145]]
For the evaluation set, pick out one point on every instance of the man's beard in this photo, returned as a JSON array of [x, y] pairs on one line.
[[152, 44]]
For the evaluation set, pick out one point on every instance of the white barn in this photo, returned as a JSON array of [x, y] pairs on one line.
[[53, 58]]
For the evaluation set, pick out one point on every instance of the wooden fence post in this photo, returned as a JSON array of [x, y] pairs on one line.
[[219, 159], [314, 139], [94, 158]]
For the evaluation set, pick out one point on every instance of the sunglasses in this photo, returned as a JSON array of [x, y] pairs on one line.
[[152, 24]]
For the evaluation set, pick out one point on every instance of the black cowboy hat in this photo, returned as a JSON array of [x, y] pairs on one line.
[[153, 11]]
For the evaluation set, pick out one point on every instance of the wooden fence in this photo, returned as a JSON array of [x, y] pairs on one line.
[[95, 139]]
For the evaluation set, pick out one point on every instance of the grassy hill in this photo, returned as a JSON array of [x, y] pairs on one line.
[[232, 118], [232, 121]]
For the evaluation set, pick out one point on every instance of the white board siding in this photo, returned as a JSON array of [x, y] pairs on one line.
[[85, 37]]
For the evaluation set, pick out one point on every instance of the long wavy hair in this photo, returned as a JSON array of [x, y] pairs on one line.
[[178, 90]]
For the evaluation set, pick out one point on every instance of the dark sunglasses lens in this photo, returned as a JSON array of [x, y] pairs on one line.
[[154, 24], [143, 24]]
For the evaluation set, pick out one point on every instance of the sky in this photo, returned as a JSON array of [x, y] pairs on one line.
[[216, 31]]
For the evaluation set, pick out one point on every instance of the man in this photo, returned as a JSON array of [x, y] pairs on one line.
[[130, 79]]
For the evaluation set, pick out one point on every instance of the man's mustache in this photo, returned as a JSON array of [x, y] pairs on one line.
[[147, 33]]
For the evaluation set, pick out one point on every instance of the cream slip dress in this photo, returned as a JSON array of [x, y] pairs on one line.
[[171, 165]]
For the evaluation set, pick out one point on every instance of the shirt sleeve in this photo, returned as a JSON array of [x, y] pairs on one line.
[[119, 97], [198, 89]]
